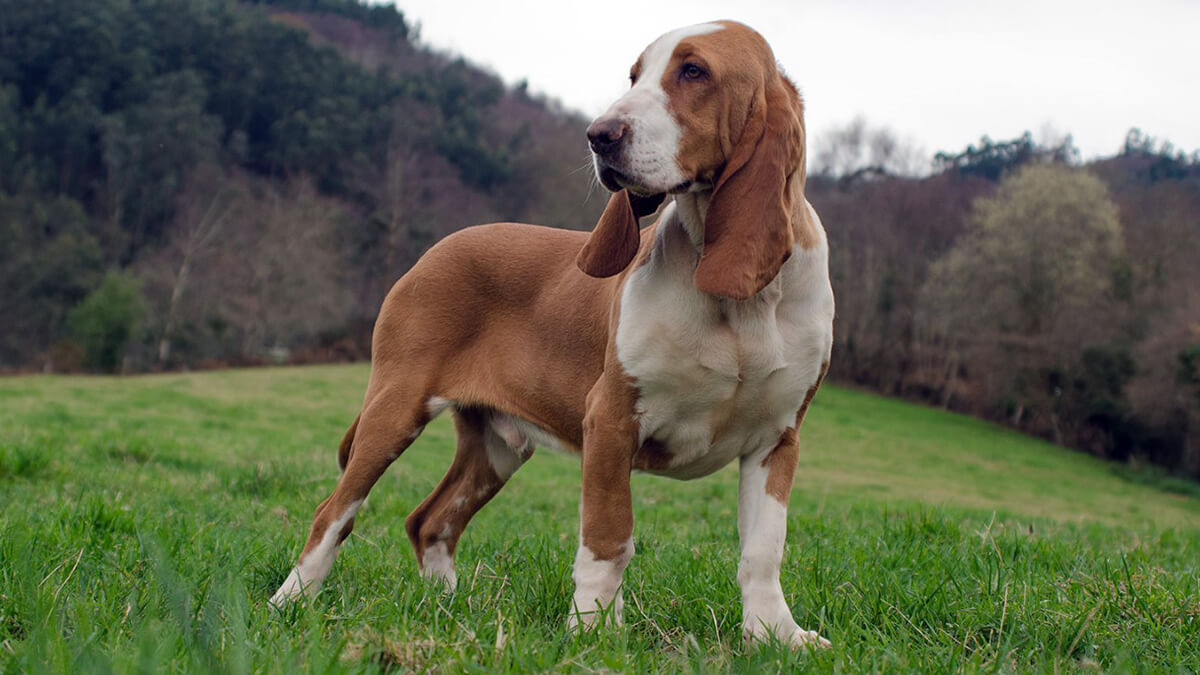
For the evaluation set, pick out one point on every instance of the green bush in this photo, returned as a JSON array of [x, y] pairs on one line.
[[106, 321]]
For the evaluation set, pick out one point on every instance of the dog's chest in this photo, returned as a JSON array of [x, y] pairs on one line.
[[718, 379]]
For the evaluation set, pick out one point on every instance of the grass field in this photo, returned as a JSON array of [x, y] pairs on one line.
[[146, 520]]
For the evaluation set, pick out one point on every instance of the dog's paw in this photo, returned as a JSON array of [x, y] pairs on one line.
[[577, 623], [446, 580], [292, 590], [437, 567], [807, 639], [604, 617], [281, 599], [796, 638]]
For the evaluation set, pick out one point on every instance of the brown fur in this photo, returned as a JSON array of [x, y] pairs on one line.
[[781, 466], [615, 239], [347, 444], [781, 462], [470, 479], [748, 232], [744, 127]]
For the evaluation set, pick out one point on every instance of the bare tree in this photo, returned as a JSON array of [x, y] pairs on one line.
[[1022, 288], [858, 149], [296, 290], [203, 210]]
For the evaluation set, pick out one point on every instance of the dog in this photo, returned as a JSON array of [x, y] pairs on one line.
[[673, 349]]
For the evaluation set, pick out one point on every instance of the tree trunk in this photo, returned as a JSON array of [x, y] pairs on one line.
[[164, 343]]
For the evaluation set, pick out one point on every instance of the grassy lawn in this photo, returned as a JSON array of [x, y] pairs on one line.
[[146, 520]]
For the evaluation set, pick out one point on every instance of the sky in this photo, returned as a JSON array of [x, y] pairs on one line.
[[939, 74]]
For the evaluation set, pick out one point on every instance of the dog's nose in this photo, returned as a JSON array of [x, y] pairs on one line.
[[606, 135]]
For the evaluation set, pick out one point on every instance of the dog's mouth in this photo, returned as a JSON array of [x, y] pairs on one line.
[[615, 180], [612, 179]]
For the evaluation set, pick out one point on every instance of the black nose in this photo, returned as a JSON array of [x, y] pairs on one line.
[[606, 135]]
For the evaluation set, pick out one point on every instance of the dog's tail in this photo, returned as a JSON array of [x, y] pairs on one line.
[[347, 444]]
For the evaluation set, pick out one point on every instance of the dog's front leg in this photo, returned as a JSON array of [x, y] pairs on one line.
[[606, 507], [764, 486]]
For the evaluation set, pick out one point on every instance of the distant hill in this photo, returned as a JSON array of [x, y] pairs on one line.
[[122, 124], [199, 184]]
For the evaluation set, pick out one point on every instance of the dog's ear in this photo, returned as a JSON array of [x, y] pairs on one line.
[[747, 232], [614, 242]]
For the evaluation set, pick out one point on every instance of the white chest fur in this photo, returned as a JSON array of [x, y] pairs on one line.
[[718, 378]]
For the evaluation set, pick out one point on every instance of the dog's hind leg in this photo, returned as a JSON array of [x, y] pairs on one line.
[[390, 421], [490, 450]]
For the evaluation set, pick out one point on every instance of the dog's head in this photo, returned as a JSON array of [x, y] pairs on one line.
[[708, 110]]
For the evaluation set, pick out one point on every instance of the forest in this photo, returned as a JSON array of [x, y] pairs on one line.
[[198, 184]]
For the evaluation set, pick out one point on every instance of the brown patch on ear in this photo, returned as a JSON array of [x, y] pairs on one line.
[[614, 242], [748, 231]]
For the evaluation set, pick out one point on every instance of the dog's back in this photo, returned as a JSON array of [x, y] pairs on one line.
[[498, 316]]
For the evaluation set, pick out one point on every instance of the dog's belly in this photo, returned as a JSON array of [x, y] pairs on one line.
[[697, 413]]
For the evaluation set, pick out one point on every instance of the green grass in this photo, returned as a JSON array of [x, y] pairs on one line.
[[146, 520]]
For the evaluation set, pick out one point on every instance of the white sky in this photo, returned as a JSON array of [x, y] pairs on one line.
[[939, 73]]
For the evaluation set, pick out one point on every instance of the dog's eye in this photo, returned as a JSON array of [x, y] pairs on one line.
[[632, 79], [691, 71]]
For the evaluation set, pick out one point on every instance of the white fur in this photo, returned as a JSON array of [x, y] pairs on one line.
[[436, 405], [437, 565], [598, 587], [507, 448], [717, 378], [762, 527], [313, 567], [720, 379], [649, 159], [519, 434], [537, 436]]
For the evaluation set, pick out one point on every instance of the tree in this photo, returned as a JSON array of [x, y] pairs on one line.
[[857, 150], [1021, 289], [106, 321], [296, 289], [202, 212], [148, 148], [49, 262], [994, 160]]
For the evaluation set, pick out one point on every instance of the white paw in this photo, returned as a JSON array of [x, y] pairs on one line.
[[797, 638], [583, 621], [577, 622], [447, 580], [292, 589], [807, 639], [437, 567], [282, 598], [597, 614]]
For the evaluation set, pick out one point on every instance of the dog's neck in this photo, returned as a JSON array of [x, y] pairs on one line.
[[692, 209]]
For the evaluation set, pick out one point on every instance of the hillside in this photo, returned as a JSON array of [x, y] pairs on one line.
[[147, 519], [238, 181]]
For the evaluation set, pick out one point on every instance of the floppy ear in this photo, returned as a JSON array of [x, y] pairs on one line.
[[614, 242], [748, 232]]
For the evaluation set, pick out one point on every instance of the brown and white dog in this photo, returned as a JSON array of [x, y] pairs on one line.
[[674, 350]]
